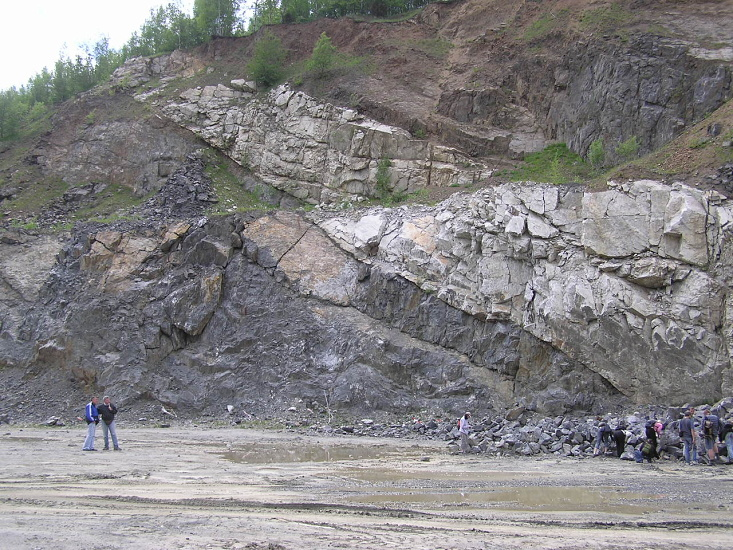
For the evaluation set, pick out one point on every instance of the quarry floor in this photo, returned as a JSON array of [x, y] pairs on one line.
[[230, 488]]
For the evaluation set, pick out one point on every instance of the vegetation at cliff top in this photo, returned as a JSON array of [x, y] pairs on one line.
[[168, 29]]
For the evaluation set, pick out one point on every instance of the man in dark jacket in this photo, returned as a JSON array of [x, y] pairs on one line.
[[91, 415], [726, 437], [619, 436], [710, 429], [651, 437], [107, 411], [689, 437]]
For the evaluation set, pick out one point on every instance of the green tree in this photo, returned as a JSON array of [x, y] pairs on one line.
[[323, 57], [165, 30], [216, 17], [596, 154], [629, 149], [60, 85], [106, 60], [40, 87], [12, 110], [267, 63], [264, 12], [295, 11]]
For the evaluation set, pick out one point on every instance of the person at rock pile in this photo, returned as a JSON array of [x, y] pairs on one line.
[[710, 429], [602, 439], [651, 436], [107, 411], [726, 437], [464, 428], [91, 415], [688, 434], [619, 437]]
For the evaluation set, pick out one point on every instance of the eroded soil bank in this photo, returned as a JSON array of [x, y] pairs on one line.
[[191, 488]]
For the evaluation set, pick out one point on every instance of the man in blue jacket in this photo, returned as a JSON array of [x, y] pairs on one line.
[[92, 417]]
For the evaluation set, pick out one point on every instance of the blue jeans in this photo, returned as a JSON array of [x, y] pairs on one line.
[[690, 450], [91, 432], [729, 445], [107, 430]]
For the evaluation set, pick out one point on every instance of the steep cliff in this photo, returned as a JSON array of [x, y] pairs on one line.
[[560, 298], [554, 297]]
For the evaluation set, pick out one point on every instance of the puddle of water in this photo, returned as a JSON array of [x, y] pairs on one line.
[[560, 499], [425, 471], [263, 453]]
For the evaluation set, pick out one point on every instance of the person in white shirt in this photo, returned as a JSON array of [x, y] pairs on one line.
[[464, 428]]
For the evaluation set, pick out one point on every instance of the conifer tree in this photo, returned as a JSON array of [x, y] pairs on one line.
[[323, 57], [267, 64]]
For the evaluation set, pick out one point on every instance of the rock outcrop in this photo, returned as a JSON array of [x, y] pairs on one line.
[[555, 297], [652, 89], [527, 296], [631, 282], [317, 153]]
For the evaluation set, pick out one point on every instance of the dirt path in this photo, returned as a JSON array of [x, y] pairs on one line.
[[233, 488]]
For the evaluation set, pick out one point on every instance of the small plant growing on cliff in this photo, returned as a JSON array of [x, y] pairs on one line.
[[546, 24], [267, 63], [606, 18], [323, 58], [629, 149], [384, 192], [554, 164], [383, 189], [420, 133], [597, 154]]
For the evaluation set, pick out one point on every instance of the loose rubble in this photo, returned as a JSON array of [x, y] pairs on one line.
[[521, 432]]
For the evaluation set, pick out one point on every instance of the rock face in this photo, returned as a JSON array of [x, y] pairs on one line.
[[113, 141], [554, 297], [530, 297], [652, 90], [631, 282], [317, 153]]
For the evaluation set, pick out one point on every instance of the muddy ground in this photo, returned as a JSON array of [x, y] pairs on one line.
[[196, 488]]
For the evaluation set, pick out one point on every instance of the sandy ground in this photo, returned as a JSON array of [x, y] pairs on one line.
[[186, 488]]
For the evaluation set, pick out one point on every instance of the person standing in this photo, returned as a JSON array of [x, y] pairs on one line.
[[689, 438], [107, 411], [710, 430], [651, 437], [464, 428], [91, 415], [726, 437]]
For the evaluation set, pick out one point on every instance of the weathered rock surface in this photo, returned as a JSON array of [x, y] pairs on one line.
[[107, 140], [628, 282], [506, 295], [315, 152], [652, 89]]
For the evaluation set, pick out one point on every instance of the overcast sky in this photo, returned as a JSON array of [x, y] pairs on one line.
[[33, 34]]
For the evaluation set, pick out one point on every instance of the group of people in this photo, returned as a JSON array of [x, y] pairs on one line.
[[702, 440], [621, 435], [93, 413], [701, 437]]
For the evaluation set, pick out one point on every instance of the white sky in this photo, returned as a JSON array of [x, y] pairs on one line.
[[32, 35]]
